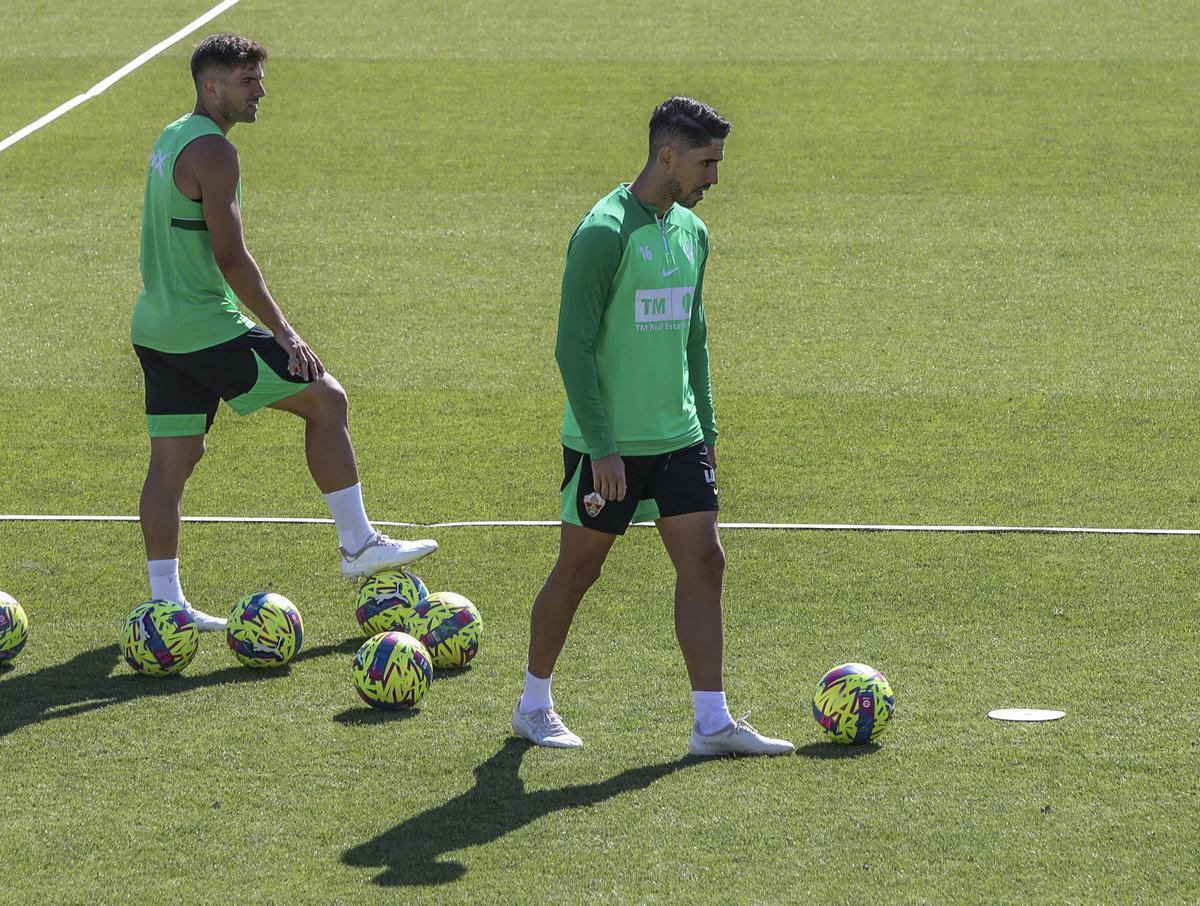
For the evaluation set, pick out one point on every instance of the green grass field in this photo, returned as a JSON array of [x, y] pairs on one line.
[[952, 282]]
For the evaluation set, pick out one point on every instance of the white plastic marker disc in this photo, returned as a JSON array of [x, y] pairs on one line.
[[1025, 714]]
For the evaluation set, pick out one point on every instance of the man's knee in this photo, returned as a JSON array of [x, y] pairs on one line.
[[336, 394], [327, 400], [175, 457], [581, 555], [708, 563], [194, 454], [578, 574]]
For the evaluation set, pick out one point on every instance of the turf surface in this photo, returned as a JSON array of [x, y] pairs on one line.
[[951, 283]]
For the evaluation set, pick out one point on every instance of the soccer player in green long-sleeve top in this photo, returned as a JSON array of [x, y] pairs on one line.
[[195, 346], [639, 431]]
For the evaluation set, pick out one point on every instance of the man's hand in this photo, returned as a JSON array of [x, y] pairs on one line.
[[608, 476], [712, 456], [302, 361]]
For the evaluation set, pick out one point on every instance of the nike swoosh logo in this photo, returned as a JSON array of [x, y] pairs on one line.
[[671, 271]]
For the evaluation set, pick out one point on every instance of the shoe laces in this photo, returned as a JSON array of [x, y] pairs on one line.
[[373, 539], [742, 724], [547, 719]]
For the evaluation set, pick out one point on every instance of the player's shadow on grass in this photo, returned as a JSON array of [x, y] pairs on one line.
[[84, 684], [497, 805]]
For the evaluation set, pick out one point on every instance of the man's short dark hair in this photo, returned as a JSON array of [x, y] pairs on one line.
[[227, 51], [685, 123]]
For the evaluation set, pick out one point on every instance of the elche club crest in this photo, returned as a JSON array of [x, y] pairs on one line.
[[689, 249]]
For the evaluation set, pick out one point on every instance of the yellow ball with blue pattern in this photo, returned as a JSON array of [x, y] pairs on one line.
[[14, 628], [853, 704], [449, 627], [392, 670], [264, 630], [387, 599], [158, 638]]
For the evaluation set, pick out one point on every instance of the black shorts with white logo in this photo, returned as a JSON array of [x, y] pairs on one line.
[[659, 486]]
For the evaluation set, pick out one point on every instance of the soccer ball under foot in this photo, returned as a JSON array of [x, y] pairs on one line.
[[386, 601]]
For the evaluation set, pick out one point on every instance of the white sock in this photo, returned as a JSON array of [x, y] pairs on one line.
[[712, 713], [164, 580], [537, 693], [346, 508]]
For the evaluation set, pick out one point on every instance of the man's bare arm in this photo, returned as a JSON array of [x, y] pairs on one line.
[[213, 164]]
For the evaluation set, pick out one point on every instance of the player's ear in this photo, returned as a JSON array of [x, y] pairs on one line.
[[666, 156]]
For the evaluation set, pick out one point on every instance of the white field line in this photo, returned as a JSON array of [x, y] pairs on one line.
[[103, 85], [785, 526]]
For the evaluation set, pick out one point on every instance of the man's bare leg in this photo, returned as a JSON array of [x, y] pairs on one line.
[[172, 460], [581, 556], [334, 469]]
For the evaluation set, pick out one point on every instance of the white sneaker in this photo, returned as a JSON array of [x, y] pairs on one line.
[[203, 621], [544, 728], [380, 553], [739, 738]]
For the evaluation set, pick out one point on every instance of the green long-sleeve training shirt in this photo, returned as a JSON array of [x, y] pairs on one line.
[[632, 341]]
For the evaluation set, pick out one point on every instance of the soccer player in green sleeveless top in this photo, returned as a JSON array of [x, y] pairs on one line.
[[197, 348], [639, 430]]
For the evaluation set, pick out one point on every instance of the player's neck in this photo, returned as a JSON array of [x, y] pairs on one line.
[[201, 110], [650, 191]]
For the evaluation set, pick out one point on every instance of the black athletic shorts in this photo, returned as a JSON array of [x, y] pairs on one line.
[[667, 484], [183, 389]]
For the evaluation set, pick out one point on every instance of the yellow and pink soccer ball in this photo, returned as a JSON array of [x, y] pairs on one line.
[[392, 670], [853, 704], [14, 628], [449, 626], [158, 638], [264, 630], [387, 599]]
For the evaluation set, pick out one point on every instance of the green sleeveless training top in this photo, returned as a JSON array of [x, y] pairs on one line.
[[185, 303]]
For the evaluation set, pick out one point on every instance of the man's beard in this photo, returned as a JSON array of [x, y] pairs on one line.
[[684, 199], [676, 193], [235, 114]]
